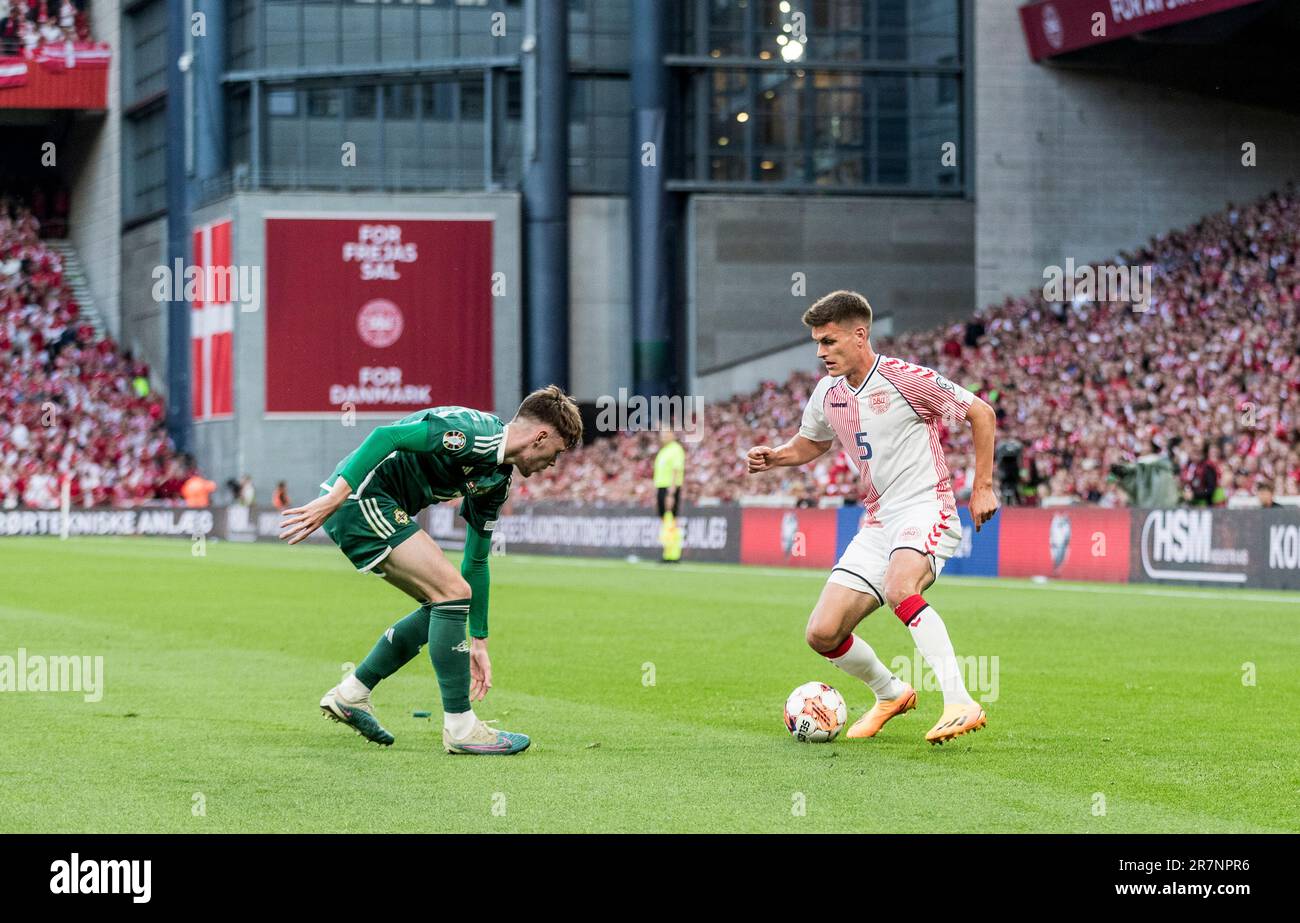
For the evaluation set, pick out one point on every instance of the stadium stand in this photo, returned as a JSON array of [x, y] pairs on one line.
[[1207, 375], [29, 27], [71, 406]]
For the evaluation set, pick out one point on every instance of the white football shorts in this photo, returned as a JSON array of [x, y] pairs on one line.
[[928, 529]]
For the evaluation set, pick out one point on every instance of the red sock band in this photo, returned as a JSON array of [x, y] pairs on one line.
[[908, 608], [841, 650]]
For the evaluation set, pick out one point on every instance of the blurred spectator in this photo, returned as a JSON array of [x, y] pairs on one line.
[[280, 499], [197, 490], [247, 494]]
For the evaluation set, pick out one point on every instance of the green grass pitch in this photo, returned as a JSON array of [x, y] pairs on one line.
[[1118, 709]]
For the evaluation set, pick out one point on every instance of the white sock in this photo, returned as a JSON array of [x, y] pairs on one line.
[[353, 689], [931, 638], [861, 661], [458, 724]]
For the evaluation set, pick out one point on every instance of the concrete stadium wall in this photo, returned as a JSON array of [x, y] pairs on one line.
[[912, 258], [303, 452], [600, 296], [143, 325], [1073, 163], [95, 180]]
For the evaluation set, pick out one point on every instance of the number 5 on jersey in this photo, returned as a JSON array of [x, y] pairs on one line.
[[864, 446]]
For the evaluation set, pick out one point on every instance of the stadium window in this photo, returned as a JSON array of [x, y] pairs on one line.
[[399, 101], [471, 99], [146, 149], [283, 138], [361, 102], [238, 114], [282, 103], [891, 30], [241, 45], [321, 31], [438, 100], [435, 24], [283, 35], [145, 46], [323, 102], [946, 92], [398, 32], [322, 162], [514, 96], [359, 32]]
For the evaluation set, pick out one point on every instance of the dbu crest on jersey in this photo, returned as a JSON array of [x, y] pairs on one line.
[[400, 517], [878, 401], [453, 440]]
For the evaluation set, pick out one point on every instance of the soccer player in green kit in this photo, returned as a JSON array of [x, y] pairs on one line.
[[368, 507]]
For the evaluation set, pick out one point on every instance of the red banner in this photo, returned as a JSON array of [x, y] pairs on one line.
[[1054, 27], [46, 81], [791, 538], [1070, 543], [212, 325], [377, 315]]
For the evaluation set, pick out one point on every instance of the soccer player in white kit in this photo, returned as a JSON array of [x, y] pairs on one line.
[[887, 413]]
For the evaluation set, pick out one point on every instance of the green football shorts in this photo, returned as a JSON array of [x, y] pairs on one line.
[[367, 530]]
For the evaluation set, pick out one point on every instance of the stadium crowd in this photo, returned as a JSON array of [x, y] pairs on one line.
[[1207, 375], [28, 25], [71, 407]]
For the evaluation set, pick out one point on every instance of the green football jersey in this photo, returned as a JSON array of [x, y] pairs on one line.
[[435, 455]]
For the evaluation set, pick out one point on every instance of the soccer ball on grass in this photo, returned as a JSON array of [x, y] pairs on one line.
[[815, 713]]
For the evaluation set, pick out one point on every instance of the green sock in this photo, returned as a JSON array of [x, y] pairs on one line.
[[395, 648], [449, 651]]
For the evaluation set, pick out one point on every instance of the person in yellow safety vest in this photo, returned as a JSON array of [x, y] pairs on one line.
[[670, 470]]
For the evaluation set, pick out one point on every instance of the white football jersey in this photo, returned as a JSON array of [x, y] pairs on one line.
[[889, 425]]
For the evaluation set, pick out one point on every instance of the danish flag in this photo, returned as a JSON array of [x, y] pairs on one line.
[[13, 72], [212, 324]]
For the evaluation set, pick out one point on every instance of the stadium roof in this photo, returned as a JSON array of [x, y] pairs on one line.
[[1056, 27], [1239, 50]]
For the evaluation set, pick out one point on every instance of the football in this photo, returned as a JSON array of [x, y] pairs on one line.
[[815, 712]]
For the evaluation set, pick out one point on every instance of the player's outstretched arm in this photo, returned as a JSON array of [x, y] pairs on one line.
[[798, 451], [474, 568], [301, 521], [983, 499]]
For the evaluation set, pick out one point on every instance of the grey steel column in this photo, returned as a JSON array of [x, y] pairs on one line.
[[179, 422], [651, 313], [546, 193]]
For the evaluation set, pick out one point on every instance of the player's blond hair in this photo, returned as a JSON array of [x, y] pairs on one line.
[[551, 406], [843, 307]]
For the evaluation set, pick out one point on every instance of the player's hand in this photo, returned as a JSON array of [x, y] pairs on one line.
[[480, 669], [761, 458], [301, 521], [983, 504]]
